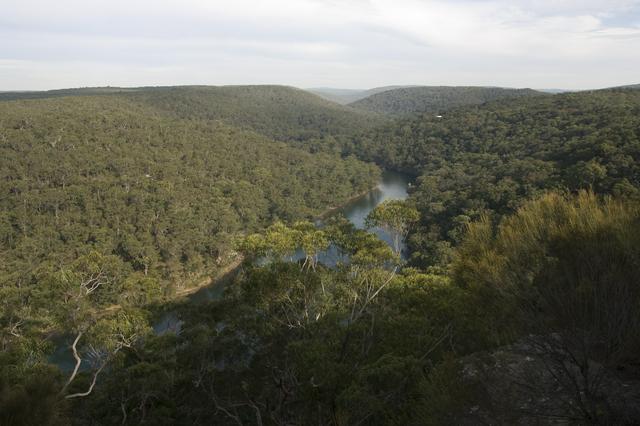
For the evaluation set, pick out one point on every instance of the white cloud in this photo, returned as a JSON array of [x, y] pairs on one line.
[[574, 43]]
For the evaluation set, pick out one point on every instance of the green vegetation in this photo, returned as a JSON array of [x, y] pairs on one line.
[[282, 113], [565, 271], [433, 99], [366, 344], [518, 304], [278, 112], [568, 263], [294, 345], [165, 195], [114, 202], [395, 217], [487, 160], [85, 91]]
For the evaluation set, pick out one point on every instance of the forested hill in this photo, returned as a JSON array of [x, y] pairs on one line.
[[283, 113], [278, 112], [57, 93], [434, 99], [160, 195], [488, 159], [631, 86]]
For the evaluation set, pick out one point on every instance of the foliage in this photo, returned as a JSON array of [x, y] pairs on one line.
[[405, 101], [290, 344], [164, 195], [570, 266], [569, 263], [489, 159], [114, 199], [277, 112], [395, 217]]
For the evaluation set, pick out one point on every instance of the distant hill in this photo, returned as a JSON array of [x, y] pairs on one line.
[[339, 96], [347, 96], [279, 112], [554, 91], [630, 86], [434, 99], [82, 91]]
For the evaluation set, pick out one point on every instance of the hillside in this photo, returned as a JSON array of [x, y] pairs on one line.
[[435, 100], [57, 93], [487, 159], [630, 86], [339, 96], [164, 195], [278, 112]]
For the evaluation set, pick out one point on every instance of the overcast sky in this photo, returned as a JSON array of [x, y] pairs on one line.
[[572, 44]]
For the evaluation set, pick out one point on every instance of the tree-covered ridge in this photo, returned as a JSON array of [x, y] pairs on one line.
[[630, 86], [434, 99], [488, 159], [164, 195], [57, 93], [278, 112]]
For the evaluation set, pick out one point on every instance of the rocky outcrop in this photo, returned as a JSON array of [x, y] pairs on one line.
[[537, 382]]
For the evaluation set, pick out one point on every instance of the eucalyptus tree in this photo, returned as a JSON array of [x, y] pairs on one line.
[[82, 307], [397, 217]]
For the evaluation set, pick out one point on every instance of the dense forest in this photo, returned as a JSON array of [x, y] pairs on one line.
[[165, 193], [517, 304], [278, 112], [487, 160], [404, 101]]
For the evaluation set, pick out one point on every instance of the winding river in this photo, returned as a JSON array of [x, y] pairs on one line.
[[393, 186]]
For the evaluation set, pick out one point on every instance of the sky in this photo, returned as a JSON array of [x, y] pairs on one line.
[[566, 44]]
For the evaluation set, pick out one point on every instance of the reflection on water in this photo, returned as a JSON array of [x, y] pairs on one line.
[[393, 187]]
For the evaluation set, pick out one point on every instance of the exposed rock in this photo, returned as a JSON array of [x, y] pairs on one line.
[[534, 383]]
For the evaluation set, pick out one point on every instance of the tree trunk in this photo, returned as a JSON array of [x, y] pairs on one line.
[[74, 373]]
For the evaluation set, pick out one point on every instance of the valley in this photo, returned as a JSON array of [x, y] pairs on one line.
[[503, 225]]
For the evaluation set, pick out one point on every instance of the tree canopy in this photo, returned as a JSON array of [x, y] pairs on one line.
[[518, 304]]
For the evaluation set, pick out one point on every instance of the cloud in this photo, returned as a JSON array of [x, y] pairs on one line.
[[319, 42], [501, 28]]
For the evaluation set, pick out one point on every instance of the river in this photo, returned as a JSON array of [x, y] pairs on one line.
[[393, 186]]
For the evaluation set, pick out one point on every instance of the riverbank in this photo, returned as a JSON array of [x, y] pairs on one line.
[[209, 281], [228, 269], [350, 200], [226, 273], [188, 291]]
